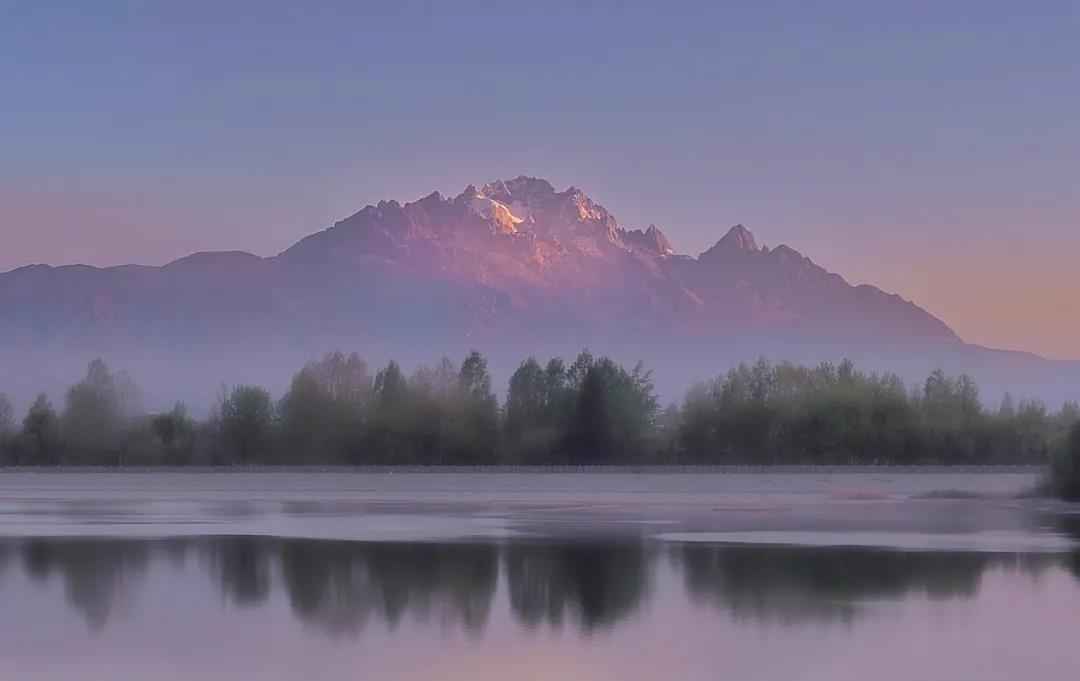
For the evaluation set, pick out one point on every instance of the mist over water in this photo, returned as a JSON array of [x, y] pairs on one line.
[[820, 574]]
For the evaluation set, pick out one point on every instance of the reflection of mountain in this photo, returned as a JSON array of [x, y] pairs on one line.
[[598, 584], [797, 583], [337, 587]]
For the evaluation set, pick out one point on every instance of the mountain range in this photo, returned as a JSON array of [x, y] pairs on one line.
[[513, 268]]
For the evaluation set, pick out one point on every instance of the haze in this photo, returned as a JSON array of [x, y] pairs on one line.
[[602, 339], [878, 140]]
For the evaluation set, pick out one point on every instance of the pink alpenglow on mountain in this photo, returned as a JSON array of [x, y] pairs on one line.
[[531, 251]]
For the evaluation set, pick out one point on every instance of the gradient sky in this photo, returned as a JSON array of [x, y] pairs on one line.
[[930, 148]]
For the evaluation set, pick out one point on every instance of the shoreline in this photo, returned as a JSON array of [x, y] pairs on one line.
[[659, 469]]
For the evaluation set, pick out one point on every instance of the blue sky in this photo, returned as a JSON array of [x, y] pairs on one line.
[[927, 147]]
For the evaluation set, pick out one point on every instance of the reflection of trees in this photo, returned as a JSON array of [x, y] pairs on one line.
[[335, 585], [795, 583], [599, 584], [1069, 525], [242, 568], [338, 585], [95, 572], [5, 557]]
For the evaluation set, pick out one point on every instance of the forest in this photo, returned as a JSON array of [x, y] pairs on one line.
[[590, 411]]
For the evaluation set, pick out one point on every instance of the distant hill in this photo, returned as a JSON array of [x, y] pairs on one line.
[[512, 268]]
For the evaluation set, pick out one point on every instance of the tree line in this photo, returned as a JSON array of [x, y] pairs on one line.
[[588, 411]]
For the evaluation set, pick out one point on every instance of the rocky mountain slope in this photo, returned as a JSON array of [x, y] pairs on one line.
[[514, 263]]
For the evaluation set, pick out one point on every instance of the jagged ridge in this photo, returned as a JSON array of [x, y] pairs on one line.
[[513, 255]]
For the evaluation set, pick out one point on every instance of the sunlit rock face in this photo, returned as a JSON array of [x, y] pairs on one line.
[[539, 253]]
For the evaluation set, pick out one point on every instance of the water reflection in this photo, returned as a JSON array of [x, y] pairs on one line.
[[793, 584], [96, 573], [241, 567], [1069, 525], [596, 584], [338, 587]]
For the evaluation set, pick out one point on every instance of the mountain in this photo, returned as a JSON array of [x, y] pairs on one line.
[[514, 267]]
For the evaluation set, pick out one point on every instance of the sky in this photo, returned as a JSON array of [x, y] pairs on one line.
[[929, 148]]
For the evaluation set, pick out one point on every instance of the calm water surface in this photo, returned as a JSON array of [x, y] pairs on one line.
[[492, 576]]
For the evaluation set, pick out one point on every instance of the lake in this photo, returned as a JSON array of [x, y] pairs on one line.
[[826, 574]]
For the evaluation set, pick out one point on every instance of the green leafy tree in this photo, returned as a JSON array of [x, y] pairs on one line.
[[390, 437], [558, 395], [91, 422], [479, 413], [525, 399], [614, 415], [431, 419], [247, 421], [322, 415], [175, 431], [592, 432], [1065, 468], [324, 412], [7, 414], [539, 407], [39, 442], [7, 430]]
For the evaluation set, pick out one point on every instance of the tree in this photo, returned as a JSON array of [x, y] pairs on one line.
[[696, 439], [1070, 412], [176, 433], [7, 414], [614, 415], [247, 419], [539, 404], [91, 421], [592, 411], [344, 378], [98, 412], [1007, 410], [307, 417], [1065, 467], [322, 414], [39, 442], [579, 370], [7, 428], [592, 436], [391, 389], [480, 413], [668, 422], [391, 435], [525, 399]]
